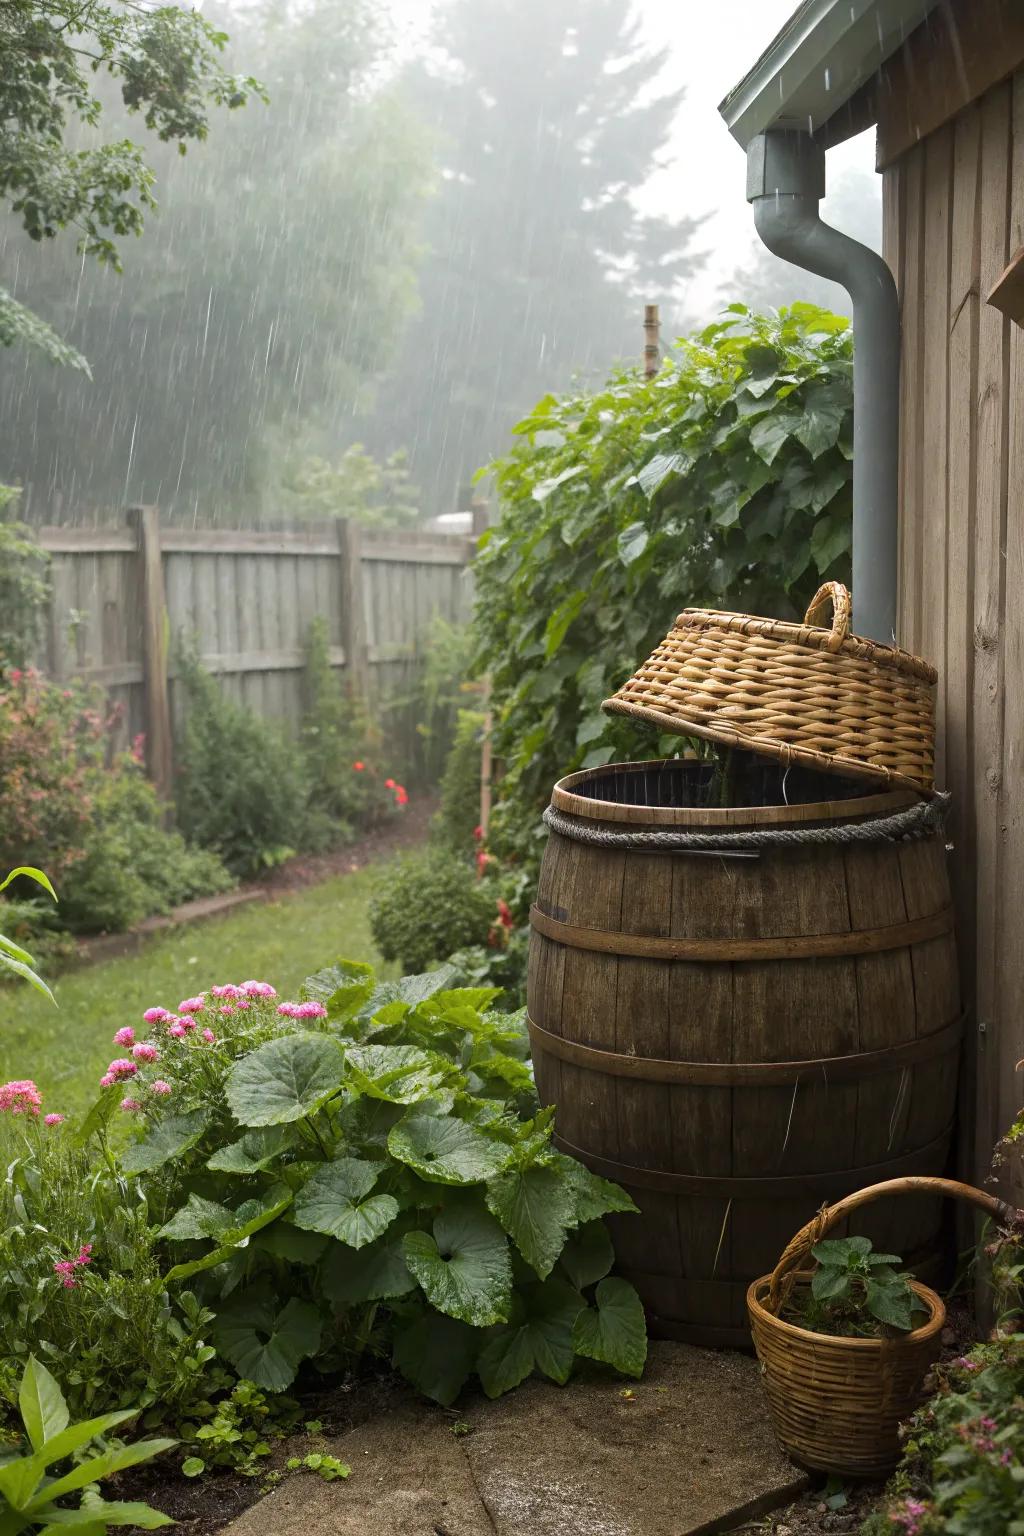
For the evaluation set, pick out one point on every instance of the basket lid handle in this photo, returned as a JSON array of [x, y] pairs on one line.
[[798, 1250], [842, 607]]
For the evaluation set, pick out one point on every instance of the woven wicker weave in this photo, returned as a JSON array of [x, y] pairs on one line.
[[797, 692], [836, 1403]]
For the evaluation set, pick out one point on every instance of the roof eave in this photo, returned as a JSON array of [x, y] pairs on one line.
[[826, 51]]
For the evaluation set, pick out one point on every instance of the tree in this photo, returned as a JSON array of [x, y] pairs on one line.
[[539, 261], [246, 333], [164, 60]]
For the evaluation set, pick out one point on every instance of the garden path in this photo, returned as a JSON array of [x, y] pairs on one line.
[[687, 1450]]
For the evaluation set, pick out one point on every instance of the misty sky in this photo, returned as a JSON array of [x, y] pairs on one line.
[[711, 48]]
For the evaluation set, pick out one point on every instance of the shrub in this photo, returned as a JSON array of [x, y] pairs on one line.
[[427, 905], [441, 691], [80, 1277], [725, 480], [362, 1170], [346, 786], [963, 1467], [459, 815], [242, 786], [53, 744], [24, 585], [131, 866]]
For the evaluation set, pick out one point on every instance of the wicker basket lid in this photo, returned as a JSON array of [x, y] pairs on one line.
[[798, 692]]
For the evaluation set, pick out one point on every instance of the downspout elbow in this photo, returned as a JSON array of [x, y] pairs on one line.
[[785, 180]]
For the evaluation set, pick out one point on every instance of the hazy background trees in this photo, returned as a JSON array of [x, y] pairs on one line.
[[411, 242]]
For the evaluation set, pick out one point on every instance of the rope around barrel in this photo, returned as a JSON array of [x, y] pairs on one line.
[[916, 821]]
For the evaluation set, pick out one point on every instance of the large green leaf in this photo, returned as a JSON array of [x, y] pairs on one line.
[[536, 1206], [436, 1354], [166, 1140], [343, 988], [446, 1151], [93, 1470], [284, 1079], [337, 1202], [593, 1195], [588, 1254], [614, 1330], [265, 1345], [44, 1412], [255, 1151], [540, 1337], [632, 542], [201, 1218], [375, 1273], [100, 1113], [463, 1266], [400, 1074]]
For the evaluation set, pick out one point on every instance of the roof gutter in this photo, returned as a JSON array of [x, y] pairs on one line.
[[785, 181]]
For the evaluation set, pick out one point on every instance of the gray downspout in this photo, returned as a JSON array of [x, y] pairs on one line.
[[785, 180]]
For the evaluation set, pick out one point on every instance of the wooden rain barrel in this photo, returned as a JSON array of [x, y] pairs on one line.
[[736, 1039]]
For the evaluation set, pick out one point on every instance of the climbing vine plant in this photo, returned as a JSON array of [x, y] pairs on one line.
[[723, 481]]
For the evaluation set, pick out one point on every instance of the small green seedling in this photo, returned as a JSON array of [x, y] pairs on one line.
[[857, 1292], [327, 1467]]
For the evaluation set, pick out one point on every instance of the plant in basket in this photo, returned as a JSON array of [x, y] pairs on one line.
[[856, 1293]]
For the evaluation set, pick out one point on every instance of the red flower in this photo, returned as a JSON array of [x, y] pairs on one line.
[[482, 861], [478, 834], [401, 796], [358, 767], [390, 784], [504, 915]]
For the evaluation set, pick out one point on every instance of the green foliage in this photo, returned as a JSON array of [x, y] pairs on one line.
[[856, 1293], [460, 787], [346, 787], [441, 690], [359, 487], [283, 269], [725, 480], [242, 787], [24, 584], [329, 1468], [165, 62], [131, 865], [428, 905], [30, 1499], [367, 1171], [962, 1472], [15, 961], [113, 1335]]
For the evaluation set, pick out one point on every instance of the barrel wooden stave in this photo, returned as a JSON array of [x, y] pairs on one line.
[[692, 1254]]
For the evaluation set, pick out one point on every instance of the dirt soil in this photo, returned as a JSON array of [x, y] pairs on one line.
[[393, 836]]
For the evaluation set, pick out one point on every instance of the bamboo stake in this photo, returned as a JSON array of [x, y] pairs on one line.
[[652, 327]]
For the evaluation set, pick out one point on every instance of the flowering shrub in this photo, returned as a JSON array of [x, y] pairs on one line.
[[963, 1468], [364, 1168]]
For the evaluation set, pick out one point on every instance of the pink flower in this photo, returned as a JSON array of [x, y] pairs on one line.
[[121, 1067], [139, 747], [53, 1119], [130, 1106], [243, 1002], [390, 784], [160, 1088], [156, 1015], [192, 1005], [227, 1008], [106, 1080], [21, 1097], [125, 1036], [66, 1267], [176, 1031], [225, 991], [308, 1010], [209, 1036], [258, 989], [145, 1052], [15, 674]]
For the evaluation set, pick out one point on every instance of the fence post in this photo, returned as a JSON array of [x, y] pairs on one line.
[[159, 761], [353, 609]]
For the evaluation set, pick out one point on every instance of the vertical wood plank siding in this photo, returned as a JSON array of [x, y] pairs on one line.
[[954, 211]]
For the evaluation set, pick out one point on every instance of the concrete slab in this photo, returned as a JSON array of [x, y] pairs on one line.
[[685, 1452]]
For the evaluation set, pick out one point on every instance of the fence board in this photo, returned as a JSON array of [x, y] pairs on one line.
[[245, 599]]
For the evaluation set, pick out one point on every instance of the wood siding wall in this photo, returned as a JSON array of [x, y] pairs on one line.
[[954, 213]]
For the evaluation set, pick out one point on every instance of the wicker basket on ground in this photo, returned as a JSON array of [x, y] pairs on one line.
[[824, 698], [836, 1403]]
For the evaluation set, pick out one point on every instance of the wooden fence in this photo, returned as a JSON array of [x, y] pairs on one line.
[[122, 596]]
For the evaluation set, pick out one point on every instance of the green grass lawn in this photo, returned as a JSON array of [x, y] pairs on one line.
[[66, 1049]]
